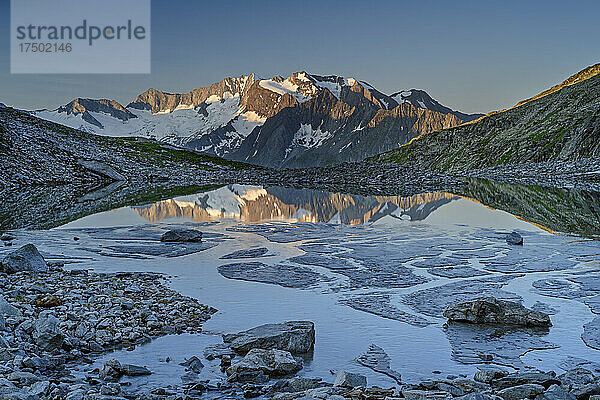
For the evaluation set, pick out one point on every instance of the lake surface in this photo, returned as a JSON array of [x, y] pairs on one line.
[[365, 270]]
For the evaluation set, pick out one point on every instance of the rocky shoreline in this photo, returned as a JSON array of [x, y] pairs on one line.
[[54, 321]]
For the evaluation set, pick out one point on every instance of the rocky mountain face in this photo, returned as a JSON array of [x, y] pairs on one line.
[[346, 120], [301, 120], [562, 123]]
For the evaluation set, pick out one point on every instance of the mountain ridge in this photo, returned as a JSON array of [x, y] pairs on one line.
[[561, 123], [220, 118]]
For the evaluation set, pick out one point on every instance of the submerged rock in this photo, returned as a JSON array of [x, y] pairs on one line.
[[350, 380], [297, 337], [278, 274], [193, 364], [249, 253], [218, 351], [504, 345], [378, 360], [514, 238], [489, 310], [271, 362], [182, 235], [27, 258]]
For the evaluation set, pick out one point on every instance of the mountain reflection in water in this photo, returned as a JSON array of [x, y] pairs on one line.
[[254, 203]]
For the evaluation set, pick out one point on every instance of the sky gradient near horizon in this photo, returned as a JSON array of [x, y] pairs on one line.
[[474, 56]]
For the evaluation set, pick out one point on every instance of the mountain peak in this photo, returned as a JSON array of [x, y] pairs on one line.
[[160, 102], [85, 106]]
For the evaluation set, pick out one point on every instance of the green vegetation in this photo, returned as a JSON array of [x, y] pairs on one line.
[[560, 124]]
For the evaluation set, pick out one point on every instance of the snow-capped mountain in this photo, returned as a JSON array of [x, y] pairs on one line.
[[301, 120]]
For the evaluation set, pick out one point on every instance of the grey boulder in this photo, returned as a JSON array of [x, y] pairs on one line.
[[297, 337], [26, 258], [514, 238], [218, 350], [526, 391], [111, 371], [271, 362], [182, 235], [349, 380], [8, 310], [46, 332], [489, 375], [134, 370], [545, 379], [489, 310], [555, 392]]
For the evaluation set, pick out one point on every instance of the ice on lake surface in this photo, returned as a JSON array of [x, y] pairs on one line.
[[367, 270]]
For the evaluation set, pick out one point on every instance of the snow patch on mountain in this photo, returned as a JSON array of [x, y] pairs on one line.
[[282, 88], [308, 137], [334, 87], [401, 96]]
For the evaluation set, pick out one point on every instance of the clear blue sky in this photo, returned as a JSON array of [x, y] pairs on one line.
[[475, 56]]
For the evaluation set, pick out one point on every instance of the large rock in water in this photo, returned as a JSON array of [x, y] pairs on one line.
[[297, 337], [514, 238], [270, 362], [489, 310], [27, 258], [182, 235]]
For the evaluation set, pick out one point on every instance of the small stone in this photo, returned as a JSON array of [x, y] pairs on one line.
[[413, 394], [40, 389], [111, 371], [194, 364], [514, 238], [8, 310], [110, 389], [488, 375], [526, 391], [134, 370], [46, 332], [349, 379]]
